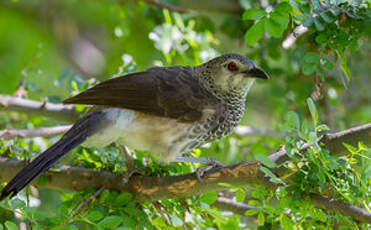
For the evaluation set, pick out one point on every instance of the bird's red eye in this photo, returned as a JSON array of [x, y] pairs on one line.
[[232, 66]]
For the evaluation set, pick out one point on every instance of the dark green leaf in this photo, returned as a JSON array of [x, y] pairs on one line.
[[327, 64], [253, 14], [327, 17], [308, 22], [318, 24], [309, 68], [311, 57]]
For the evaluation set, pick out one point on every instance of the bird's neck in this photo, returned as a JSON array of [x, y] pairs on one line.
[[232, 97]]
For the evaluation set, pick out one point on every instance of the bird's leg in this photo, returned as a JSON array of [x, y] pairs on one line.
[[130, 167], [210, 164]]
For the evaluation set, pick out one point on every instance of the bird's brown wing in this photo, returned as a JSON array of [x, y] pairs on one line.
[[170, 92]]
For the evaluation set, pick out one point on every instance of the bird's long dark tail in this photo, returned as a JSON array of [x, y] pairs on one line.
[[76, 135]]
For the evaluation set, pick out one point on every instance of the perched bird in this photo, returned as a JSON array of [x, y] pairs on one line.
[[164, 110]]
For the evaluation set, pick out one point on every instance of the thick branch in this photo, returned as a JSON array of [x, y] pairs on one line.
[[144, 188], [27, 133], [58, 111]]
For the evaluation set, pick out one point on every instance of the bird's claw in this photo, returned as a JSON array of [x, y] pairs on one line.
[[211, 164]]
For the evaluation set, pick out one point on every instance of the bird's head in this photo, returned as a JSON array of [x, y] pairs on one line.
[[230, 73]]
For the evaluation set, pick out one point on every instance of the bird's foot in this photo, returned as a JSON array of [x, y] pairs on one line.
[[130, 167], [211, 163]]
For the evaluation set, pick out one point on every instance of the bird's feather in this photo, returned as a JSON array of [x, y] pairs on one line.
[[169, 92]]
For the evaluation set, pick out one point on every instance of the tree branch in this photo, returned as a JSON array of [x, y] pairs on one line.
[[165, 6], [227, 204], [339, 206], [58, 111], [334, 142], [292, 37], [143, 188], [27, 133], [219, 6]]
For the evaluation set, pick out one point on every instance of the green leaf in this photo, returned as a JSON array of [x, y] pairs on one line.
[[308, 22], [240, 195], [255, 32], [261, 219], [350, 148], [313, 110], [123, 198], [309, 68], [110, 222], [283, 7], [94, 216], [318, 24], [10, 225], [343, 64], [273, 177], [252, 212], [293, 120], [273, 28], [327, 17], [311, 57], [254, 203], [327, 64], [266, 161], [361, 146], [286, 223], [253, 14], [208, 198], [312, 137]]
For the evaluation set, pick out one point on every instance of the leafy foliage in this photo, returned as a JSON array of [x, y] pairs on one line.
[[319, 83]]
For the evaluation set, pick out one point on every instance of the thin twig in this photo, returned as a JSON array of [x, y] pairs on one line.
[[292, 37], [58, 111], [227, 204], [166, 6], [94, 195], [28, 133], [243, 130]]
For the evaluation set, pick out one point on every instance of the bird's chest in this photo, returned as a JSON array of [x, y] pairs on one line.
[[218, 124]]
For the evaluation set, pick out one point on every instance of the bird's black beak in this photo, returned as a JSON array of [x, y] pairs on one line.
[[257, 73]]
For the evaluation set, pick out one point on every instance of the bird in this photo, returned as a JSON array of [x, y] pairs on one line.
[[163, 110]]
